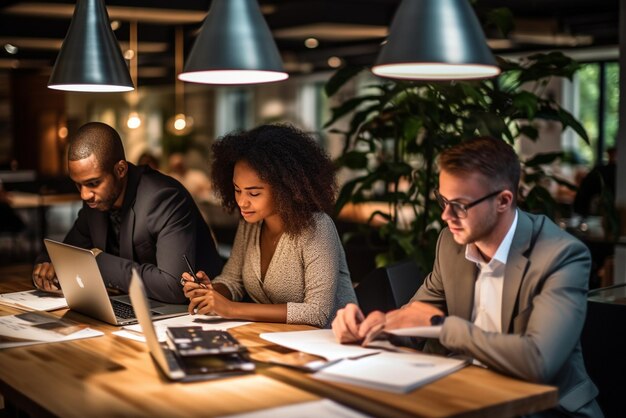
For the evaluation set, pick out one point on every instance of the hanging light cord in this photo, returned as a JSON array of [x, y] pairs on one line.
[[179, 87], [133, 62]]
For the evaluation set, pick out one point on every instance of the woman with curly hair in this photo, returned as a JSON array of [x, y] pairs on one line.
[[287, 255]]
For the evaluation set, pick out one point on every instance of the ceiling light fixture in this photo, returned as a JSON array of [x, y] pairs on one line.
[[90, 59], [311, 43], [11, 49], [235, 46], [435, 40], [334, 62]]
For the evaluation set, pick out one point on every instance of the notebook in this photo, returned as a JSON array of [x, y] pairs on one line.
[[173, 366], [84, 290]]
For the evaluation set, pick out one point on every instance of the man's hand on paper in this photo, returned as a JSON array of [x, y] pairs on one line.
[[346, 324], [44, 278], [350, 326], [415, 314]]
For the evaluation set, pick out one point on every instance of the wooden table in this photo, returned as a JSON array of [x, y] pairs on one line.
[[112, 376]]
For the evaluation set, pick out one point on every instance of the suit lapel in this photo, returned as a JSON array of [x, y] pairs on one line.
[[126, 235], [463, 273], [128, 214], [516, 264]]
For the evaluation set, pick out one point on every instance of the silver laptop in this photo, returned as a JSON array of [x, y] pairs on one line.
[[84, 290], [173, 366]]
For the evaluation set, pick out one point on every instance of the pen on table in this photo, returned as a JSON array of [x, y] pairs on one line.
[[191, 271]]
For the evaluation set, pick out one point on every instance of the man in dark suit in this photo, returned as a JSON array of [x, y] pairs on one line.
[[509, 288], [132, 217]]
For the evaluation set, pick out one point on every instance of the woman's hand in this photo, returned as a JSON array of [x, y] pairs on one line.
[[205, 300]]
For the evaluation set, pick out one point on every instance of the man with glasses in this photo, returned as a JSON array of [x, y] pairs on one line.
[[508, 287]]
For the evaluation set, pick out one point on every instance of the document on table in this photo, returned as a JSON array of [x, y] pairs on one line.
[[319, 342], [376, 368], [33, 300], [312, 409], [423, 332], [40, 327], [207, 322], [392, 372]]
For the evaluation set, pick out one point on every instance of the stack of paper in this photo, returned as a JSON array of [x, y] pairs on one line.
[[371, 367], [33, 300], [393, 372], [39, 327]]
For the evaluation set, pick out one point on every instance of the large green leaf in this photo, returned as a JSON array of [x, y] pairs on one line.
[[527, 102], [542, 159], [568, 120], [341, 77], [355, 160], [347, 107]]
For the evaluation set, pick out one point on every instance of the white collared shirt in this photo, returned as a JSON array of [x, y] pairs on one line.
[[487, 310]]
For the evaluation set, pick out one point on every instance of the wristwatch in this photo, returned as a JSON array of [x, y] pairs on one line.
[[437, 320]]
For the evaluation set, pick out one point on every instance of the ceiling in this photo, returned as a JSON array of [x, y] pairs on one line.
[[349, 29]]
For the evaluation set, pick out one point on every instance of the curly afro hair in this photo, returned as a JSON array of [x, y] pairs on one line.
[[299, 171]]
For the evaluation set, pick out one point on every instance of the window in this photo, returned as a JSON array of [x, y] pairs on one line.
[[598, 87]]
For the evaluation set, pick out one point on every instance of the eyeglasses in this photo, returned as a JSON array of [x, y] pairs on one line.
[[460, 209]]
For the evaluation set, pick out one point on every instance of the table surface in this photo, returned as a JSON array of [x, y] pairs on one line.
[[113, 376]]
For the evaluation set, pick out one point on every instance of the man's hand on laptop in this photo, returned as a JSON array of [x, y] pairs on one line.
[[44, 278]]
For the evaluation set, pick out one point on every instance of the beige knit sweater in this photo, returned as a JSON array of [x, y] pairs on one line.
[[307, 272]]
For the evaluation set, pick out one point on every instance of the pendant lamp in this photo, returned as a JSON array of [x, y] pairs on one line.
[[234, 46], [90, 58], [435, 40]]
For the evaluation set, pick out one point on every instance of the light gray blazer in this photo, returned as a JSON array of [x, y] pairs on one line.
[[544, 305]]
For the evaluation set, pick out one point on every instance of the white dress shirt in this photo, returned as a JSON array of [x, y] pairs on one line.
[[487, 310]]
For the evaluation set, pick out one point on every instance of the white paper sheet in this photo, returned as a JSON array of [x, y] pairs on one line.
[[319, 342], [393, 372], [39, 327], [33, 300], [314, 409], [423, 332], [214, 323]]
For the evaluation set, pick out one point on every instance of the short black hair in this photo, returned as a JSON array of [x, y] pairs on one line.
[[99, 139], [299, 171], [491, 157]]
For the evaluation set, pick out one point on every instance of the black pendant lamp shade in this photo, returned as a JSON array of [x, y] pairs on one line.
[[90, 58], [435, 40], [234, 46]]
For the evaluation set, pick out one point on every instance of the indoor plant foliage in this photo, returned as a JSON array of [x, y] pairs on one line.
[[397, 129]]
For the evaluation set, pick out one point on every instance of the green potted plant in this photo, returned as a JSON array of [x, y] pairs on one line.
[[397, 129]]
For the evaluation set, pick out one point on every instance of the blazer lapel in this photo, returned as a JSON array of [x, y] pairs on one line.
[[463, 273], [126, 235], [128, 213], [516, 264]]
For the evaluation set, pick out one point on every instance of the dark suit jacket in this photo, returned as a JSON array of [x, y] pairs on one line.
[[160, 222], [544, 305]]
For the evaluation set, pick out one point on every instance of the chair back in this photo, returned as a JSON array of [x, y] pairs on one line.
[[390, 287]]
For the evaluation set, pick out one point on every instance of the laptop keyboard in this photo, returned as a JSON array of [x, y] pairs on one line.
[[123, 310]]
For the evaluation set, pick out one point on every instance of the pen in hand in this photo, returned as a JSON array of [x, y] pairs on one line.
[[191, 271]]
